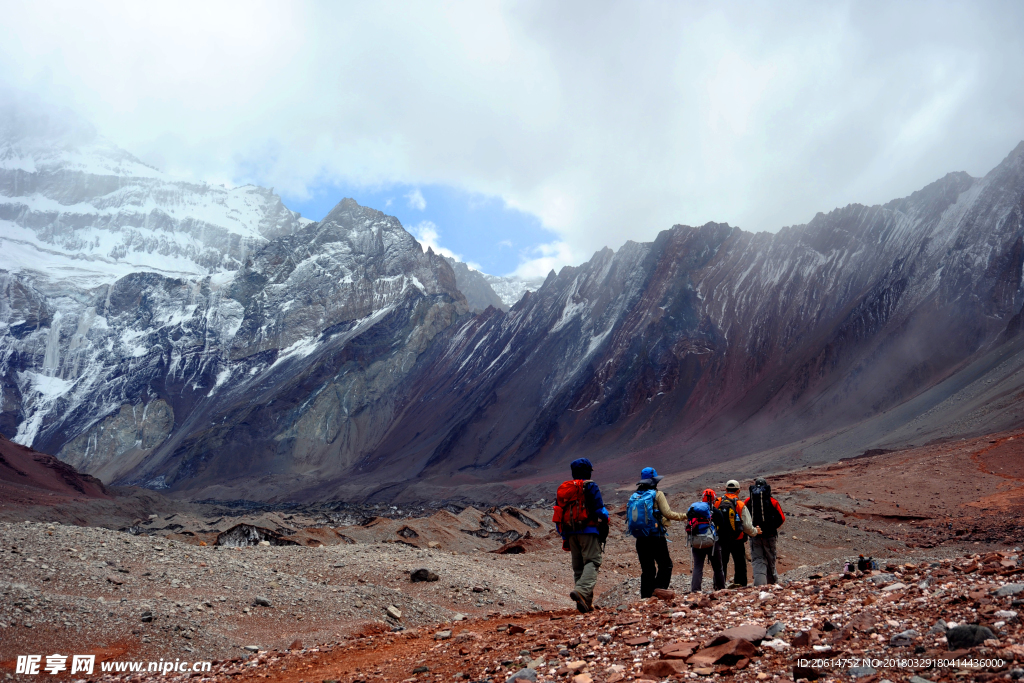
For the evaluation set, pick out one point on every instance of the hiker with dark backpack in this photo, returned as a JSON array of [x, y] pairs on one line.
[[582, 520], [702, 525], [647, 519], [767, 514], [736, 526]]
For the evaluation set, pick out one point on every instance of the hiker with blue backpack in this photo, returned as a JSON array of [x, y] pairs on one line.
[[647, 519], [582, 521], [702, 525]]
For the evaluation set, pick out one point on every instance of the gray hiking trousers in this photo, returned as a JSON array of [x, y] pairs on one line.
[[762, 555], [586, 560]]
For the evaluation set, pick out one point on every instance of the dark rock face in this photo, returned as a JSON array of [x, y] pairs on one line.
[[339, 361], [967, 636]]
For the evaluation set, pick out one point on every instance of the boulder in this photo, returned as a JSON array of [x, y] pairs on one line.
[[967, 636], [727, 653], [422, 574], [678, 649], [664, 668], [752, 632]]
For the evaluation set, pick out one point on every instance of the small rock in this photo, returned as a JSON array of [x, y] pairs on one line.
[[433, 545], [776, 628], [582, 678], [1010, 589], [894, 587], [881, 578], [421, 670], [296, 645], [860, 671], [459, 617], [664, 594], [903, 639], [805, 673], [265, 544], [526, 674], [967, 636], [1007, 614], [442, 635], [918, 679], [514, 629], [393, 612], [777, 645], [938, 628], [261, 602], [146, 617], [604, 638], [252, 648]]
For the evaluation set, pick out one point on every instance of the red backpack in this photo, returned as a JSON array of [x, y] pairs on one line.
[[571, 506]]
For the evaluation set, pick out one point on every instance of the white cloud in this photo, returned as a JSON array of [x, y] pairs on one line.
[[428, 236], [416, 200], [505, 243], [606, 121], [542, 259]]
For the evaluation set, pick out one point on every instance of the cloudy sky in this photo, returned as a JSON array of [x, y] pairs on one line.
[[526, 135]]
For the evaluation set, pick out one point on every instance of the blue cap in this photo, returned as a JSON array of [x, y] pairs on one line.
[[581, 464], [650, 473]]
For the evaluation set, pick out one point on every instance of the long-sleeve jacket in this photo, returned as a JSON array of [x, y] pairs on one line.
[[667, 513], [741, 507], [596, 510]]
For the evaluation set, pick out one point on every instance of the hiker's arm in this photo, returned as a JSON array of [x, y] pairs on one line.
[[666, 511], [781, 513], [594, 491], [748, 523]]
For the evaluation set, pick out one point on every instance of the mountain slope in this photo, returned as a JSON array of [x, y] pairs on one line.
[[213, 343]]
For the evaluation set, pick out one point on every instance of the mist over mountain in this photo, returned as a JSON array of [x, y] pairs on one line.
[[209, 341]]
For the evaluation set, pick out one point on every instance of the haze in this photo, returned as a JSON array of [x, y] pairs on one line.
[[523, 136]]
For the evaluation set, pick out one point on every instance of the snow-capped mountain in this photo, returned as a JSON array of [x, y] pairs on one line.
[[210, 341], [74, 204], [511, 289]]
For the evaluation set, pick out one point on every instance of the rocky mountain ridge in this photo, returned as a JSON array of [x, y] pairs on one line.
[[273, 358]]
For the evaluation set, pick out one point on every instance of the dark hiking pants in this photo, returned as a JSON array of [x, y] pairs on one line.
[[714, 554], [738, 552], [653, 550], [762, 556]]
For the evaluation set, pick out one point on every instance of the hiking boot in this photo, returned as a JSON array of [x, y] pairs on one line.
[[582, 604], [736, 585]]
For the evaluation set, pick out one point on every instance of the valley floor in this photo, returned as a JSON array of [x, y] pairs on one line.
[[341, 605]]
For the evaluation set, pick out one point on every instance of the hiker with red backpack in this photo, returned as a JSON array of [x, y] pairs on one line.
[[647, 520], [702, 525], [582, 520], [736, 526], [766, 514]]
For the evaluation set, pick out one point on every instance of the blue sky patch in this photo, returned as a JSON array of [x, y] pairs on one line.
[[479, 229]]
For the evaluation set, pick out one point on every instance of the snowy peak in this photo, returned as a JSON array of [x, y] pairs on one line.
[[75, 204]]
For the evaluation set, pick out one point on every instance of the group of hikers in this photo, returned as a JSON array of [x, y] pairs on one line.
[[716, 531]]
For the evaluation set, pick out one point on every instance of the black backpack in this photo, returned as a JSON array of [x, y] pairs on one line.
[[732, 526], [761, 509]]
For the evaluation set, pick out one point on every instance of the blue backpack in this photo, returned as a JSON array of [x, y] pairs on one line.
[[640, 518], [700, 532]]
